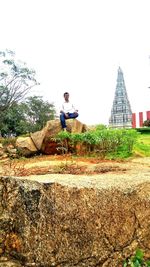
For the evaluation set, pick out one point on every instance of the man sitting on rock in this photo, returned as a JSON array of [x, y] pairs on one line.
[[67, 111]]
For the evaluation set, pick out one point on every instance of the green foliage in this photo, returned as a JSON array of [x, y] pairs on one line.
[[125, 142], [12, 121], [28, 116], [104, 143], [137, 260], [110, 142], [15, 80], [38, 112], [61, 136], [62, 140], [100, 127], [144, 130], [142, 146]]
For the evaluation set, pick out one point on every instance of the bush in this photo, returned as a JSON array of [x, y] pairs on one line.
[[144, 130], [146, 123], [137, 260], [102, 142]]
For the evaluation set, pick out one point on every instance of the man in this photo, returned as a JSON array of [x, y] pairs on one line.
[[67, 111]]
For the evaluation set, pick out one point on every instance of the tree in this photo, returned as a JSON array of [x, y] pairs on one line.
[[38, 112], [15, 80], [28, 116], [13, 121], [146, 123]]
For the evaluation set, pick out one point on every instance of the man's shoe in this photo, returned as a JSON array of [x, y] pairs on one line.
[[65, 130]]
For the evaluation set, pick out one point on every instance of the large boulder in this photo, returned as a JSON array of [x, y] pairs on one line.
[[49, 146], [73, 222], [25, 146], [43, 141]]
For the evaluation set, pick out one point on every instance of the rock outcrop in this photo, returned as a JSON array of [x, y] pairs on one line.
[[7, 151], [25, 146], [3, 154], [43, 141], [57, 224]]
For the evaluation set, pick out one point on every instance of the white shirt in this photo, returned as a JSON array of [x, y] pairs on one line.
[[68, 107]]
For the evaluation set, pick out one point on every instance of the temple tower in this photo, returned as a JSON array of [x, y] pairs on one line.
[[121, 114]]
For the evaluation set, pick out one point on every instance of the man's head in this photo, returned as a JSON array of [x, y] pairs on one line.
[[66, 96]]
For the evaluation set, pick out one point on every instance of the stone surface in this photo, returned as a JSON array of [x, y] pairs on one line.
[[7, 151], [3, 154], [43, 141], [11, 150], [55, 224], [38, 137], [49, 146], [10, 264], [1, 150], [25, 146]]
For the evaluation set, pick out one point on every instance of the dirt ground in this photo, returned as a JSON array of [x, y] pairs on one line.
[[81, 172], [44, 165]]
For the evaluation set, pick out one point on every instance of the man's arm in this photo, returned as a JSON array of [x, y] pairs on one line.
[[63, 112], [75, 110]]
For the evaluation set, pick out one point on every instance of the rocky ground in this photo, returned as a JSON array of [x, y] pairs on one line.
[[66, 168], [98, 207]]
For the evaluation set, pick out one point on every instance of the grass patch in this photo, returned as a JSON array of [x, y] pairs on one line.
[[142, 146]]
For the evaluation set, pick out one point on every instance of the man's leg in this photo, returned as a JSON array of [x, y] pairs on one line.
[[63, 120], [73, 115]]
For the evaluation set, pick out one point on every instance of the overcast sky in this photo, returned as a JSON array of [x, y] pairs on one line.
[[78, 45]]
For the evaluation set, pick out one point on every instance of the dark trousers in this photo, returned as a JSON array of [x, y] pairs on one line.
[[63, 118]]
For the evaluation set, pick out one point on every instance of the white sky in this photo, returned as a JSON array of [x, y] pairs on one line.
[[78, 45]]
